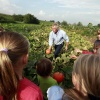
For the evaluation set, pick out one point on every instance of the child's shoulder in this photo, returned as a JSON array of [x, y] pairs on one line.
[[55, 93], [47, 79]]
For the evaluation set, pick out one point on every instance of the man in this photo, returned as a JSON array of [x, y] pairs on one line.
[[57, 36]]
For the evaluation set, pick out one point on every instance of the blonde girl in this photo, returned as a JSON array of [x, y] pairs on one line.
[[13, 58], [85, 78]]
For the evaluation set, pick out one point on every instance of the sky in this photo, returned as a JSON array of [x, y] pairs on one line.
[[71, 11]]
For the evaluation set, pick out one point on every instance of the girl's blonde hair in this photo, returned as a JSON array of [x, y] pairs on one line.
[[12, 47], [87, 68]]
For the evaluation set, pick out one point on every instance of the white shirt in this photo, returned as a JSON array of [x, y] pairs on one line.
[[55, 93], [58, 38]]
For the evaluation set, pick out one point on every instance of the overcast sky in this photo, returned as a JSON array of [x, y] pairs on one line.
[[72, 11]]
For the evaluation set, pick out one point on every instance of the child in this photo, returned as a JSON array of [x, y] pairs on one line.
[[14, 50], [86, 78], [44, 68], [96, 50], [98, 34]]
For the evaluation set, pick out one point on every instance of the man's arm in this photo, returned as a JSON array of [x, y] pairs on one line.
[[66, 47], [50, 41], [50, 48], [66, 38]]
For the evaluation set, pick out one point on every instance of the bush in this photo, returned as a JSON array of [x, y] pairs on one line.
[[30, 19]]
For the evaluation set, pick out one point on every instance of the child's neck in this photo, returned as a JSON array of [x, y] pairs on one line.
[[46, 76]]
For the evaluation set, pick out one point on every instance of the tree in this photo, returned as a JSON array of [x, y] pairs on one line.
[[58, 22], [6, 19], [2, 19], [98, 25], [52, 21], [18, 17], [28, 18], [64, 23], [79, 24], [90, 25], [35, 21]]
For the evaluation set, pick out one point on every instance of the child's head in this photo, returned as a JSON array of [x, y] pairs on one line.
[[44, 67], [96, 46], [15, 44], [98, 34], [13, 47], [86, 74]]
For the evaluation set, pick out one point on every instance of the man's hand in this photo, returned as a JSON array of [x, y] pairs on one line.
[[66, 48], [73, 56], [78, 50], [50, 48]]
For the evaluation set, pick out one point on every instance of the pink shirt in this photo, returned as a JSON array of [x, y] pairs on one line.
[[86, 52], [27, 90]]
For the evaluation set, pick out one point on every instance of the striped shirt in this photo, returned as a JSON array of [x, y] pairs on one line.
[[58, 38]]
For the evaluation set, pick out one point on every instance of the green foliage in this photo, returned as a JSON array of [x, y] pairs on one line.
[[64, 23], [38, 37], [52, 21], [90, 25], [2, 19], [18, 17], [98, 25], [79, 24], [28, 18], [6, 18]]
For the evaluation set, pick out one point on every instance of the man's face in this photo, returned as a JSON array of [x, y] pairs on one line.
[[54, 29]]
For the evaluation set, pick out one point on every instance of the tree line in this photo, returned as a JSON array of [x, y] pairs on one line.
[[31, 19], [27, 18]]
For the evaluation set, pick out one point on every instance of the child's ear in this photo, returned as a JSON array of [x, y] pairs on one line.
[[75, 81], [25, 59]]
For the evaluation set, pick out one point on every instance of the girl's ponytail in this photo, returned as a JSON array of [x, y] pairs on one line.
[[12, 47], [8, 79]]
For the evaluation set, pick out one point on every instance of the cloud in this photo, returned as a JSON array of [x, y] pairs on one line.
[[58, 10], [9, 8], [77, 10], [41, 13], [77, 3]]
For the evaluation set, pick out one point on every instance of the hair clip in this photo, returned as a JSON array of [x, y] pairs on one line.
[[4, 49]]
